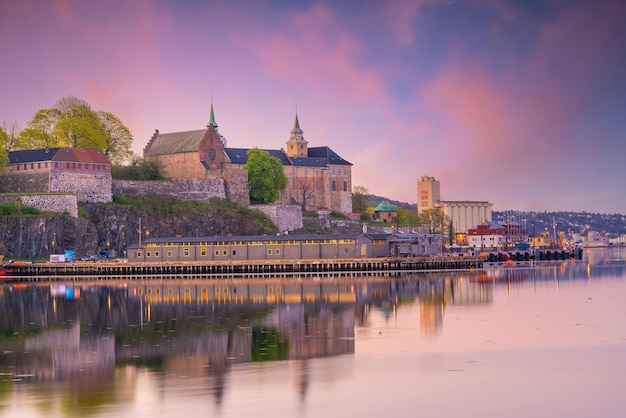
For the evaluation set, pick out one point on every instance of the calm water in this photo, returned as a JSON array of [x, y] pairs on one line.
[[513, 342]]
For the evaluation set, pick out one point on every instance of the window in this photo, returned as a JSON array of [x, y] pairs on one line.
[[269, 252], [73, 165], [32, 166], [156, 253], [345, 172], [277, 252], [345, 186], [217, 253], [225, 252], [203, 252], [38, 165], [169, 253], [333, 171], [138, 253], [25, 166], [79, 166], [333, 186], [186, 252]]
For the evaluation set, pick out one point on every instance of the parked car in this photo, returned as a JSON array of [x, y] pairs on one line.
[[89, 258]]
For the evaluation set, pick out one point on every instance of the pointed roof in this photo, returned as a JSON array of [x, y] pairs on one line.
[[385, 206], [212, 118], [296, 126]]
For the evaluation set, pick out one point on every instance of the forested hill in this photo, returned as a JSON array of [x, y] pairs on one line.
[[576, 222]]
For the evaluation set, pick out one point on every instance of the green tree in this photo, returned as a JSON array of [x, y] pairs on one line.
[[139, 169], [72, 123], [4, 140], [118, 139], [406, 216], [266, 176], [436, 220], [39, 132], [360, 198]]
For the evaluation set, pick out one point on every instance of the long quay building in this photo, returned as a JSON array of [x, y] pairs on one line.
[[235, 269]]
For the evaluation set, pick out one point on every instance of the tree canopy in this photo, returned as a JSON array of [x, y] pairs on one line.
[[72, 123], [266, 176], [4, 140], [437, 221], [360, 198]]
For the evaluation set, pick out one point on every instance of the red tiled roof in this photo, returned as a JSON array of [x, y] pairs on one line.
[[82, 155]]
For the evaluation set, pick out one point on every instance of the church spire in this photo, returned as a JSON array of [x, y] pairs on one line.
[[296, 125], [212, 118], [297, 145]]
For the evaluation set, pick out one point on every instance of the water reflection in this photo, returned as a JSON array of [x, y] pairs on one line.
[[86, 345]]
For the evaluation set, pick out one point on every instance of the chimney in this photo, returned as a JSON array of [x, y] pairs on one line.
[[47, 149]]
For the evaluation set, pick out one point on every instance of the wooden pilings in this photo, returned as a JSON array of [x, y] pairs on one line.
[[189, 270]]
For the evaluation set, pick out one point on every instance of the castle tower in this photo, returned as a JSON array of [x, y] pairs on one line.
[[297, 146]]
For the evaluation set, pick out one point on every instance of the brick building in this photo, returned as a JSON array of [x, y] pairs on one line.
[[318, 178], [84, 172]]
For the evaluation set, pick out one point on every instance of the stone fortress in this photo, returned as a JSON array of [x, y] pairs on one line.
[[318, 178], [200, 167]]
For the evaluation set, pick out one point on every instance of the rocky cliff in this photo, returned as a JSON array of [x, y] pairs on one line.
[[118, 225]]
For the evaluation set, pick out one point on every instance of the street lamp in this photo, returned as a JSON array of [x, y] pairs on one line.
[[108, 249], [53, 243]]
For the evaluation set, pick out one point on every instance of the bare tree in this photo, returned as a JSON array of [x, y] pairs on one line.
[[306, 192]]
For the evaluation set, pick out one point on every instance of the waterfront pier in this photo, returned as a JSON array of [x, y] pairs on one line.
[[236, 269]]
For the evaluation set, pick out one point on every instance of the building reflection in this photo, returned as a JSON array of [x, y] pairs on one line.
[[94, 337]]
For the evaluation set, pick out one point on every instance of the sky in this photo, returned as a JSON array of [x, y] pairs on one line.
[[521, 103]]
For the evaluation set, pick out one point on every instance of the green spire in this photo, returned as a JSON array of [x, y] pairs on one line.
[[212, 118]]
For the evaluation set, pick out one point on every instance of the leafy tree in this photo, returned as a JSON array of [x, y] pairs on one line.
[[406, 216], [266, 176], [4, 140], [118, 139], [360, 197], [436, 220], [139, 169], [40, 131], [72, 123]]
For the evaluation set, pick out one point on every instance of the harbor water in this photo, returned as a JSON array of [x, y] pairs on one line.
[[544, 339]]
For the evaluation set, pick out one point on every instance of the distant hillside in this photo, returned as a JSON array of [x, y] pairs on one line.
[[575, 222], [375, 200]]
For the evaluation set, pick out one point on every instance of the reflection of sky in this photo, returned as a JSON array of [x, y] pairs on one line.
[[524, 97], [507, 348]]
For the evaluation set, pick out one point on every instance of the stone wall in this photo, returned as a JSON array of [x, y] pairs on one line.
[[36, 182], [184, 189], [88, 187], [182, 165], [236, 181], [285, 217], [61, 203]]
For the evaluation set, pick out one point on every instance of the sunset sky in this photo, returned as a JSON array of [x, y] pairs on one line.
[[518, 102]]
